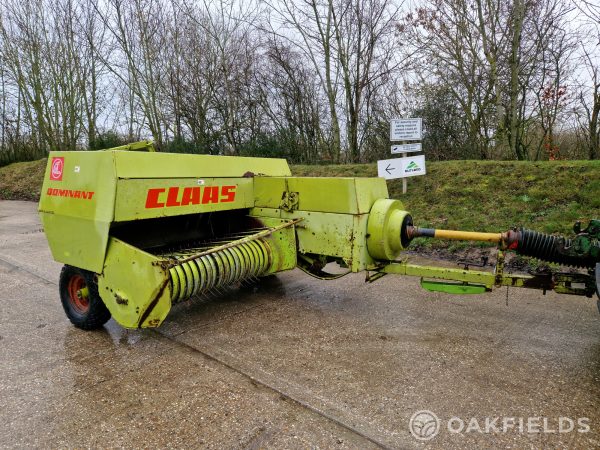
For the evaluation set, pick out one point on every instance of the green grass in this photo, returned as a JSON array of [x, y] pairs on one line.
[[491, 195], [22, 181], [469, 195]]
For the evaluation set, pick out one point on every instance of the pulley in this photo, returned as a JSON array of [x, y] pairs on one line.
[[386, 229]]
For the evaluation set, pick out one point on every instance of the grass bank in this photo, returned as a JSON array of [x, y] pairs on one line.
[[491, 196], [22, 181]]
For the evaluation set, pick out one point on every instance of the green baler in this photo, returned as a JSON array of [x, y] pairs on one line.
[[140, 230]]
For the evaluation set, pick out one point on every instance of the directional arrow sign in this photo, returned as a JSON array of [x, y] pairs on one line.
[[401, 167]]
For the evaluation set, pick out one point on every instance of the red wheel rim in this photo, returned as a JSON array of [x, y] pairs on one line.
[[80, 303]]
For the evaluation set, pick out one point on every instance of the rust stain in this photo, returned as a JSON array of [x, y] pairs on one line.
[[154, 302], [121, 300]]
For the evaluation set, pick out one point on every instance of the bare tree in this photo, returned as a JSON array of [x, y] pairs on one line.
[[492, 56], [552, 89], [448, 38], [42, 54], [313, 21], [290, 98], [350, 45], [139, 38], [588, 113]]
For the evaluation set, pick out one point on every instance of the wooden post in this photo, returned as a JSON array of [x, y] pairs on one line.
[[404, 180]]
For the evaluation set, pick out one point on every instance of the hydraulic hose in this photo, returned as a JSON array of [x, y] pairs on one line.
[[546, 247]]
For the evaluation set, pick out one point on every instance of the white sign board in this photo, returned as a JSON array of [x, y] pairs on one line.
[[405, 129], [407, 148], [401, 167]]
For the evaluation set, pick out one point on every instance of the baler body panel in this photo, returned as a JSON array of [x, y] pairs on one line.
[[331, 195], [336, 235], [91, 199], [335, 213], [148, 198], [179, 165], [134, 286], [282, 244], [77, 206]]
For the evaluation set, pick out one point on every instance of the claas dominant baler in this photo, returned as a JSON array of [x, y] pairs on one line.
[[139, 230]]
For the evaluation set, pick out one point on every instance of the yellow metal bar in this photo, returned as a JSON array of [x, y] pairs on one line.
[[487, 279], [468, 236], [482, 278]]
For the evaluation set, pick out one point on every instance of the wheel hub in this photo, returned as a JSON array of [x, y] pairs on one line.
[[78, 294]]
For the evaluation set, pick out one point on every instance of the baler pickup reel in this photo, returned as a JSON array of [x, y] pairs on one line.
[[200, 270], [139, 231]]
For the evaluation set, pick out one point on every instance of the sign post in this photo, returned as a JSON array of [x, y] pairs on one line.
[[404, 180], [404, 130]]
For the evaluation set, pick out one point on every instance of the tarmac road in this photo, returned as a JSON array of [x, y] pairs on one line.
[[294, 363]]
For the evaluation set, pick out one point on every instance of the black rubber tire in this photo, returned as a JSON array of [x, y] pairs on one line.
[[91, 315]]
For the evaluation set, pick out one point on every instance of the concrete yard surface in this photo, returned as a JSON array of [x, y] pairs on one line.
[[295, 362]]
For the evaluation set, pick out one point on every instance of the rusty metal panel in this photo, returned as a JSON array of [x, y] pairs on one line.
[[337, 235], [268, 191]]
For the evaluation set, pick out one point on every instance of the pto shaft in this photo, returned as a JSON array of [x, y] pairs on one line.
[[414, 232], [583, 251]]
